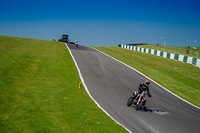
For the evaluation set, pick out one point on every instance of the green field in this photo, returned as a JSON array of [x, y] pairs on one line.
[[181, 78], [39, 91], [176, 50]]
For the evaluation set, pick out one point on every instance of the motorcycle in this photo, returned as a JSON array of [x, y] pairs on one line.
[[139, 101]]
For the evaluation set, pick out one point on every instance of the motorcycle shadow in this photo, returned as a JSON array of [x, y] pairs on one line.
[[152, 110]]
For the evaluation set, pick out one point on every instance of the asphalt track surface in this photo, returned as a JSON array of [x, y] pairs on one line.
[[111, 83]]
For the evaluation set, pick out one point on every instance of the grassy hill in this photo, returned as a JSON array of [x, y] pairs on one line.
[[39, 91], [181, 78]]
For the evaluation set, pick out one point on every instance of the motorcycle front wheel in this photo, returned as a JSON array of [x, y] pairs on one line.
[[138, 106]]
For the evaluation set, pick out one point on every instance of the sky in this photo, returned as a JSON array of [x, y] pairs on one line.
[[104, 22]]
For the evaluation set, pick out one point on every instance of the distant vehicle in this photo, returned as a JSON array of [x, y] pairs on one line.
[[64, 38]]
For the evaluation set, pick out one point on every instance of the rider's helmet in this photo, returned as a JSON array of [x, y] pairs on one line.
[[147, 82]]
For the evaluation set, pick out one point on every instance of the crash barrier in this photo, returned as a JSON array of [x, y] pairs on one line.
[[182, 58]]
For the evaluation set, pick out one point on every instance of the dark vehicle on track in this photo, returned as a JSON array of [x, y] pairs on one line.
[[139, 101], [64, 38]]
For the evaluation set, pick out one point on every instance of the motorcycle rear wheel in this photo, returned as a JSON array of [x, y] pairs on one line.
[[129, 102]]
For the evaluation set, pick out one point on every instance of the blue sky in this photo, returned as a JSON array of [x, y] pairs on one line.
[[103, 22]]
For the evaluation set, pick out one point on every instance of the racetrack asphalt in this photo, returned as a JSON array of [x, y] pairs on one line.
[[111, 83]]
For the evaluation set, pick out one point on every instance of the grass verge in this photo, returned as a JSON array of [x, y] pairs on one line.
[[181, 78], [39, 91]]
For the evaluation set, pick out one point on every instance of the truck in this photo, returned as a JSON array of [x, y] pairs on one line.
[[64, 38]]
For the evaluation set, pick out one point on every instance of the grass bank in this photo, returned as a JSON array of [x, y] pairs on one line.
[[181, 78], [39, 91]]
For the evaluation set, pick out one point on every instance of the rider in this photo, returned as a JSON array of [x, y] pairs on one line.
[[76, 43], [143, 87]]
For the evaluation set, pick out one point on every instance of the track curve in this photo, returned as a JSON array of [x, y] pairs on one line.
[[111, 83]]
